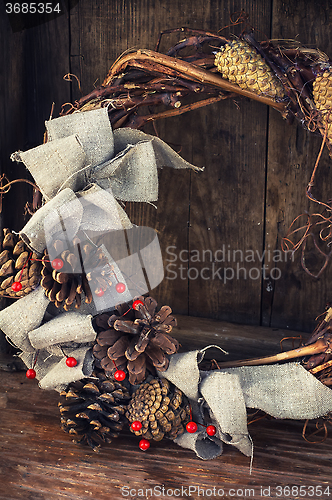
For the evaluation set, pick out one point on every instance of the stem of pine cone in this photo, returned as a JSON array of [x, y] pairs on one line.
[[153, 61], [320, 346], [322, 328], [207, 34], [138, 121]]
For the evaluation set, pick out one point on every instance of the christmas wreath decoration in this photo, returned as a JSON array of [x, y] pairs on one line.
[[82, 324]]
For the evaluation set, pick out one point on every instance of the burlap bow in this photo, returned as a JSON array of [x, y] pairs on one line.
[[286, 391], [81, 170], [83, 154]]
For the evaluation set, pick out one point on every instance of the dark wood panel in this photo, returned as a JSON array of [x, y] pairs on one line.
[[202, 211], [227, 211], [13, 117], [10, 116], [295, 299], [33, 63], [227, 199]]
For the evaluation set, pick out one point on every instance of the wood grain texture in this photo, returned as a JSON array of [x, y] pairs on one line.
[[39, 461], [33, 63], [295, 299], [220, 208], [13, 116], [240, 341]]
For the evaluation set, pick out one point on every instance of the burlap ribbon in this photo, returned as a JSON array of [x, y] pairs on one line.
[[82, 170], [18, 319], [52, 371], [46, 346], [286, 391]]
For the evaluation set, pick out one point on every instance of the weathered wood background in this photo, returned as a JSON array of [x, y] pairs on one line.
[[256, 165], [38, 461]]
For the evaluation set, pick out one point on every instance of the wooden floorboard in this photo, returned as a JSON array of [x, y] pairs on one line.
[[38, 461]]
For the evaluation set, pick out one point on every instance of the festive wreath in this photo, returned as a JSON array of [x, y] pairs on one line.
[[84, 323]]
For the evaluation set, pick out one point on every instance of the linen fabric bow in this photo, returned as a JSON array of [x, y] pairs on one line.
[[82, 170]]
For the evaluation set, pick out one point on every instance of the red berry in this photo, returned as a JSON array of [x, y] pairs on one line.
[[211, 430], [136, 303], [16, 286], [71, 362], [31, 373], [120, 287], [99, 292], [119, 375], [191, 427], [144, 444], [57, 264], [136, 426]]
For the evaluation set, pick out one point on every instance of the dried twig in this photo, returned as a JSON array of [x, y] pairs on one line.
[[144, 58], [320, 346]]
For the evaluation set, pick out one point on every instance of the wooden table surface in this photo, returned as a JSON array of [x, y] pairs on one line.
[[38, 461]]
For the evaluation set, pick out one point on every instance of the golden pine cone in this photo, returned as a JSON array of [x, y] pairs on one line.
[[322, 93], [93, 410], [241, 64], [162, 409], [17, 264]]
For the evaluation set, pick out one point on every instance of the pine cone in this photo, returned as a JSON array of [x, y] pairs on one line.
[[17, 263], [137, 339], [63, 279], [322, 93], [241, 64], [162, 409], [93, 410]]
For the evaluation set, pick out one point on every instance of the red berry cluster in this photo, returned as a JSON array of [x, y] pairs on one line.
[[192, 427]]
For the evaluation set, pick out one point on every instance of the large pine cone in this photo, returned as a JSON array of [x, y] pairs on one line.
[[137, 340], [17, 263], [241, 64], [162, 409], [322, 93], [92, 410]]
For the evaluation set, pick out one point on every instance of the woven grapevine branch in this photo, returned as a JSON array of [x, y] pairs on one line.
[[143, 86], [195, 67]]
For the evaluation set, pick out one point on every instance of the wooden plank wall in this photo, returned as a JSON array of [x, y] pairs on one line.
[[256, 165]]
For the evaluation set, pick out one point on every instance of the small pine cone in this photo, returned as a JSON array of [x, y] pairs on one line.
[[93, 410], [137, 340], [17, 264], [64, 286], [162, 409], [241, 64], [322, 93]]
